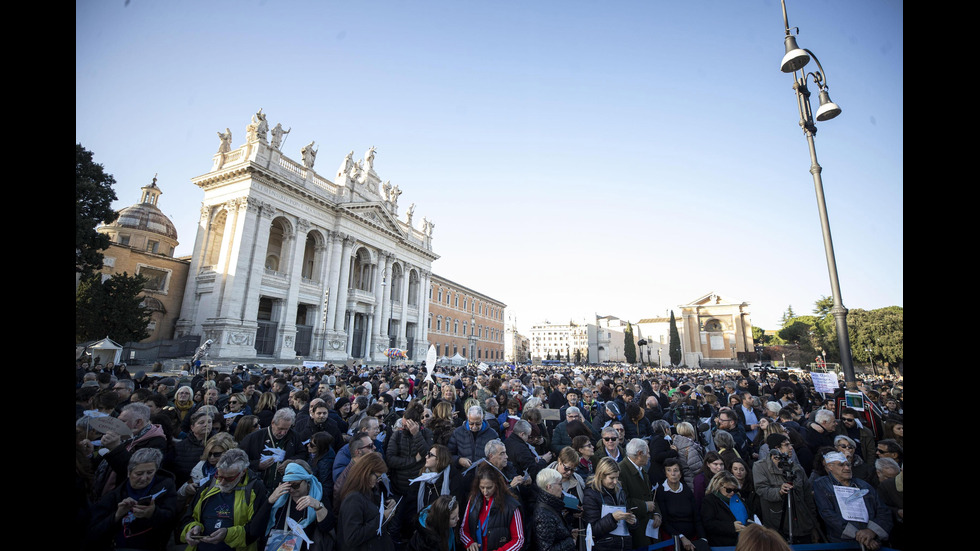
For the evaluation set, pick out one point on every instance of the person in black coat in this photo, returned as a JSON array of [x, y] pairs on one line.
[[604, 489], [723, 514], [676, 503], [551, 530], [661, 449], [278, 435], [127, 517]]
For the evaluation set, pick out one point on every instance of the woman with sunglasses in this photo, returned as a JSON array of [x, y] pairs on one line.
[[204, 471], [723, 513], [235, 409], [300, 497], [361, 507]]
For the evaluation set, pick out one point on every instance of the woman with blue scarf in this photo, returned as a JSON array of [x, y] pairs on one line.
[[437, 526], [299, 497], [723, 513]]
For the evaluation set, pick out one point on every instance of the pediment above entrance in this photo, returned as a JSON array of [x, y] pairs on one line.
[[374, 214]]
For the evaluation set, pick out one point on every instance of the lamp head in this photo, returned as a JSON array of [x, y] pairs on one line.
[[827, 109], [795, 58]]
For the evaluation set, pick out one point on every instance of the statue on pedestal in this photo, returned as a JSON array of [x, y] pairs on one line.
[[225, 138], [277, 134], [369, 159], [259, 128], [309, 155]]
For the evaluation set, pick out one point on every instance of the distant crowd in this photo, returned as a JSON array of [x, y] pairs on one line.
[[505, 458]]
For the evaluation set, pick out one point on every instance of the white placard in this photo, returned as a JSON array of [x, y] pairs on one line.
[[850, 499], [825, 382]]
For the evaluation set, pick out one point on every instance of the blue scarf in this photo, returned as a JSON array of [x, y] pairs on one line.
[[296, 473]]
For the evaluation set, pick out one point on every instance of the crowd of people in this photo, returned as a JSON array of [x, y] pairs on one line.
[[503, 458]]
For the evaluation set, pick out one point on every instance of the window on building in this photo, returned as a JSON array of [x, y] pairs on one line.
[[124, 240], [153, 246], [455, 327], [156, 279], [439, 323], [456, 301], [440, 295]]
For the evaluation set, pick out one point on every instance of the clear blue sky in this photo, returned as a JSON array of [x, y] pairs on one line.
[[618, 158]]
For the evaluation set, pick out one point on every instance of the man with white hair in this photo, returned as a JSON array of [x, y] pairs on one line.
[[268, 449], [226, 512], [865, 518], [822, 431], [559, 437], [521, 453], [634, 475], [467, 442]]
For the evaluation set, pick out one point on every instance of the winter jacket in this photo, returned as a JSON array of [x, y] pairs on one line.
[[402, 452], [466, 443], [549, 527], [358, 521], [768, 479], [136, 533], [691, 457], [249, 516], [840, 530], [603, 525]]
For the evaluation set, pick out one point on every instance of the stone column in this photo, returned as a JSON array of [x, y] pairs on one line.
[[333, 280], [422, 331], [324, 252], [386, 301], [368, 338], [343, 284], [287, 323], [402, 341], [350, 334], [187, 325]]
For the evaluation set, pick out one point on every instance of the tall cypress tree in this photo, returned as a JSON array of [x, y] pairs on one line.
[[675, 341], [629, 347]]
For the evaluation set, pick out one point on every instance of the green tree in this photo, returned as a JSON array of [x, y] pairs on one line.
[[93, 204], [112, 308], [629, 346], [788, 316], [675, 341]]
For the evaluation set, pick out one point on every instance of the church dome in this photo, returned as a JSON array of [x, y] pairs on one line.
[[144, 225]]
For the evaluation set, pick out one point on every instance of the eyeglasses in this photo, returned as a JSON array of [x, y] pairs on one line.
[[231, 478], [848, 419], [233, 402], [728, 490], [610, 438], [846, 446], [295, 485], [429, 454], [213, 455]]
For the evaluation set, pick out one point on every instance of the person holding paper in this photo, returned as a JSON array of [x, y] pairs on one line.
[[362, 511], [141, 512], [851, 508], [300, 497], [606, 511], [634, 475]]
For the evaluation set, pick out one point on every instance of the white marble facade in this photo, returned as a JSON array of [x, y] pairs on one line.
[[289, 264]]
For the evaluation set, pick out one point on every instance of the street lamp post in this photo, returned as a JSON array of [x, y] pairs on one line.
[[793, 62]]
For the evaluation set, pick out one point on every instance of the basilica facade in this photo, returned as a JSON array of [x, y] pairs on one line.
[[289, 264]]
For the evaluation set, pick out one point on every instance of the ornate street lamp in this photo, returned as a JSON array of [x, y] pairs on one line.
[[794, 62]]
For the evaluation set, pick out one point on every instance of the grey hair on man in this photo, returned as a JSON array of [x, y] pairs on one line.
[[572, 410], [233, 460], [493, 446], [475, 411], [636, 446], [824, 415], [284, 414], [522, 427], [139, 410]]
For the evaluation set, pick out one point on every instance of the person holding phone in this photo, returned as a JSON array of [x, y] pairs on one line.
[[141, 512]]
